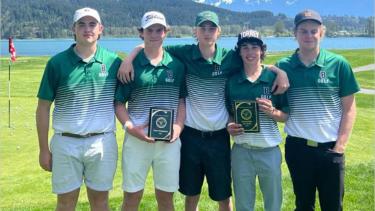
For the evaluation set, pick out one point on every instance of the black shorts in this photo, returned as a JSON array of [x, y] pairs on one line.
[[205, 154]]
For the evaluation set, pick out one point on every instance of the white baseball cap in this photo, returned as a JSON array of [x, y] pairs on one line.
[[80, 13], [151, 18]]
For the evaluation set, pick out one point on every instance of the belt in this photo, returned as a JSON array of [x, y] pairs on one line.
[[72, 135], [205, 134], [248, 146], [311, 143]]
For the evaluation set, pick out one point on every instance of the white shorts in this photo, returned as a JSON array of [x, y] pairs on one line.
[[74, 160], [137, 158]]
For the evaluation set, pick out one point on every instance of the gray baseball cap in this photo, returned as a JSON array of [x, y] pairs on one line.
[[307, 15]]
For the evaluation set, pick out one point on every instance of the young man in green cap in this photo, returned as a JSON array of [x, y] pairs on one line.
[[81, 81], [205, 150], [255, 154], [322, 114], [159, 82]]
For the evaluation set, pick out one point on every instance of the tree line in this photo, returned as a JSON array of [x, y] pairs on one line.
[[53, 19]]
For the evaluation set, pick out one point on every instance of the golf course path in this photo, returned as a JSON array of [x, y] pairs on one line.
[[366, 68]]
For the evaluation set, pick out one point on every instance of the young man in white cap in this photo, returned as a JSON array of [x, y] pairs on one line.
[[322, 113], [205, 150], [159, 82], [81, 81]]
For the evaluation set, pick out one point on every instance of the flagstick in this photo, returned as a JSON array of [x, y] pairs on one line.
[[9, 94]]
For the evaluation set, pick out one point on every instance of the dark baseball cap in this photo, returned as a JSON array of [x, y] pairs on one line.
[[249, 36], [207, 16], [307, 15]]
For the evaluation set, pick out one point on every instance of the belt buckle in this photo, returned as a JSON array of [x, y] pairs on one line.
[[205, 134], [312, 143]]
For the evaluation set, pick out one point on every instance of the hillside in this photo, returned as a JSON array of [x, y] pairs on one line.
[[53, 19]]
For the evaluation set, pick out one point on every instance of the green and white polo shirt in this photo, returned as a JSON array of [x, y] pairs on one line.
[[315, 95], [153, 86], [205, 81], [83, 93], [240, 88]]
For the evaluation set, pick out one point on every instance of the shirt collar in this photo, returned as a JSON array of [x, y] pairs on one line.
[[319, 61], [217, 56], [264, 76], [74, 58], [166, 60]]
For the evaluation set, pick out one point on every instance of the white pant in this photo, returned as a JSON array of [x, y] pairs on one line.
[[137, 158], [92, 159]]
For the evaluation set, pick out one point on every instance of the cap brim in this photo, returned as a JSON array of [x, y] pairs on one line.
[[84, 15], [205, 20], [308, 19], [250, 40], [153, 23]]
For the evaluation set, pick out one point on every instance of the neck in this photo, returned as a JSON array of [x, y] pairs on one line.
[[155, 55], [207, 51], [85, 51], [308, 56], [253, 71]]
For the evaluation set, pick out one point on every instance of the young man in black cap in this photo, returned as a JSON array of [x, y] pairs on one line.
[[255, 154], [322, 112]]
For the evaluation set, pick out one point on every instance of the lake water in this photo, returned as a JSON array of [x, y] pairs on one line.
[[52, 46]]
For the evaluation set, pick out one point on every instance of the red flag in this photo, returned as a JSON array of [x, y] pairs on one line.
[[12, 50]]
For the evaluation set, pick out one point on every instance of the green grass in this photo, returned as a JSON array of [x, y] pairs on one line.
[[366, 79], [24, 186]]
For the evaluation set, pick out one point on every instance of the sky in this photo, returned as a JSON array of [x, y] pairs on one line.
[[362, 8]]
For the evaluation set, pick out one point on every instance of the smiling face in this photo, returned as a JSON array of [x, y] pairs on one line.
[[153, 35], [309, 34], [207, 33], [250, 53], [87, 30]]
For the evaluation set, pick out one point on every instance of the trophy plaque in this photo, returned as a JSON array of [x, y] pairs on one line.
[[160, 124], [246, 113]]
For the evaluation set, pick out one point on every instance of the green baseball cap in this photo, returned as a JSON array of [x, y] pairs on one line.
[[207, 16]]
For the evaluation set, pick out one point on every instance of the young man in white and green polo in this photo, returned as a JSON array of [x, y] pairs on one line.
[[255, 154], [159, 82], [81, 81], [322, 114]]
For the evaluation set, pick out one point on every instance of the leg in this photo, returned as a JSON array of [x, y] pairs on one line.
[[244, 177], [191, 203], [217, 167], [67, 201], [165, 200], [331, 181], [225, 205], [191, 174], [98, 200], [131, 201], [269, 165], [301, 164]]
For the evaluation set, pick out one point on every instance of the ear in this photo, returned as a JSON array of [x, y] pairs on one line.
[[101, 28]]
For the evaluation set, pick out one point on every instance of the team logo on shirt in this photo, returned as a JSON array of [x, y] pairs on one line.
[[103, 71], [169, 78], [266, 93], [217, 70], [323, 77]]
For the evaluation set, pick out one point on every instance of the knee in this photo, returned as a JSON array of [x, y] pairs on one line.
[[132, 198], [66, 204]]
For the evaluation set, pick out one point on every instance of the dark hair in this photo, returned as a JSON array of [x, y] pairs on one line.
[[263, 47]]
